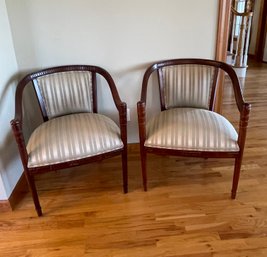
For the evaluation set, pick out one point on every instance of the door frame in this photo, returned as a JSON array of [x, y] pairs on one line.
[[224, 12], [261, 35]]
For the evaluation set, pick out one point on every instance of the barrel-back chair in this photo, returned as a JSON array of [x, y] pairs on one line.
[[73, 132], [187, 124]]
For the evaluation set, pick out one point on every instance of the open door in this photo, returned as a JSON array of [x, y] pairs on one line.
[[261, 44]]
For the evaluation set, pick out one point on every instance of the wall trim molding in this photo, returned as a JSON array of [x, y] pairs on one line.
[[20, 190], [5, 206], [16, 196]]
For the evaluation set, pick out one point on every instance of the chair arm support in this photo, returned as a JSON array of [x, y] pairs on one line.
[[17, 122], [146, 77], [239, 98], [18, 99], [123, 121], [112, 86], [236, 85], [141, 111], [18, 111], [243, 124], [17, 131], [115, 96]]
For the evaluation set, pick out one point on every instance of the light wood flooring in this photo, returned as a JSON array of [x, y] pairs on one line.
[[187, 210]]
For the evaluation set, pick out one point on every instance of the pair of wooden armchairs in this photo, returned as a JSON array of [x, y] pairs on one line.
[[74, 133]]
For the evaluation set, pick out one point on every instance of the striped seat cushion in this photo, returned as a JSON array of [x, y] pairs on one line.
[[72, 137], [191, 129]]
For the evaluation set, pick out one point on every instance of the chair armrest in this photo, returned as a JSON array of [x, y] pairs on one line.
[[146, 77], [115, 95], [123, 122], [243, 107], [241, 104], [112, 87], [236, 85], [141, 105], [243, 124], [16, 125], [121, 106], [17, 122], [141, 112]]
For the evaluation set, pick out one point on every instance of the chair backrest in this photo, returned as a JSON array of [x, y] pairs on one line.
[[65, 91], [187, 85]]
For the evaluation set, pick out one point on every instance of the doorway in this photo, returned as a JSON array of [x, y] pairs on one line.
[[260, 53]]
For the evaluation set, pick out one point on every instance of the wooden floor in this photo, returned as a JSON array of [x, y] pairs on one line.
[[186, 212]]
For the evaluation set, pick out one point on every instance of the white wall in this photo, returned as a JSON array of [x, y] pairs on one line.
[[10, 166], [122, 36]]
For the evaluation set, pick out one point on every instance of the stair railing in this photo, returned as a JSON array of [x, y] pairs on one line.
[[239, 46]]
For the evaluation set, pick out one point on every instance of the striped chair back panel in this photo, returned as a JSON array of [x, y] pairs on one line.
[[66, 92], [187, 85]]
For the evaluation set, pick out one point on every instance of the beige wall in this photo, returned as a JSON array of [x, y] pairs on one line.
[[123, 36]]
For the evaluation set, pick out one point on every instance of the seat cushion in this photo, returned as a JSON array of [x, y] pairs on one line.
[[191, 129], [72, 137]]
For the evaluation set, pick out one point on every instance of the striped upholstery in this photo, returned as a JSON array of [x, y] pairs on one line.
[[66, 92], [187, 85], [191, 129], [72, 137]]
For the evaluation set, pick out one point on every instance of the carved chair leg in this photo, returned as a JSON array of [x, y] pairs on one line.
[[238, 162], [32, 187], [143, 156], [125, 169]]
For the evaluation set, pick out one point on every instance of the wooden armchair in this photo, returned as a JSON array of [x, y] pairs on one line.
[[187, 124], [73, 133]]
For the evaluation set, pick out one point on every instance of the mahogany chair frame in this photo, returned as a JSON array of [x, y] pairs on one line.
[[17, 124], [243, 107]]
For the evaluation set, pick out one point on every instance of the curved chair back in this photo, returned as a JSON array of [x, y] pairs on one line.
[[187, 85]]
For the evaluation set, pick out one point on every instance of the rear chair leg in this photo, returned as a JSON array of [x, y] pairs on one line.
[[125, 169], [143, 166]]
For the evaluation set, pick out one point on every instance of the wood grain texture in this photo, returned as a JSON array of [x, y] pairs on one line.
[[186, 212]]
